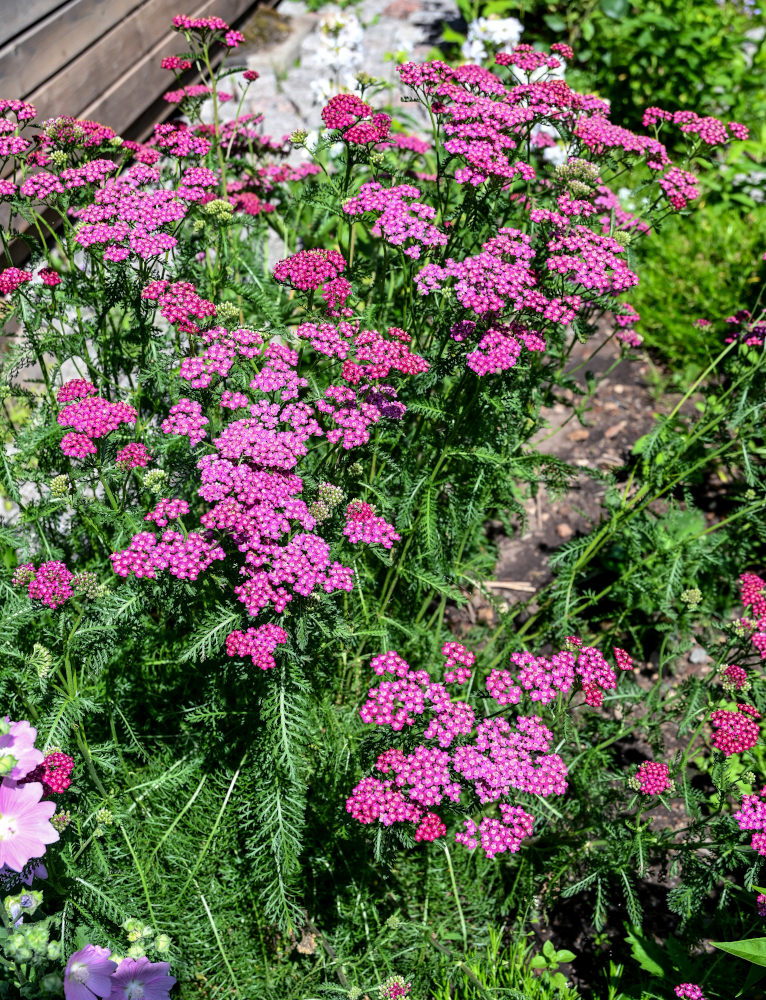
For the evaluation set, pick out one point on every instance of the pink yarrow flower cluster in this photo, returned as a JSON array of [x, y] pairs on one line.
[[751, 817], [463, 759], [735, 732], [403, 221], [355, 120], [652, 778], [256, 512], [91, 417], [753, 593], [364, 525], [544, 678]]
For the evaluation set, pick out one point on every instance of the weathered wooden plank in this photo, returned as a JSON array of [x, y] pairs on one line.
[[120, 75], [128, 98], [20, 14], [42, 51]]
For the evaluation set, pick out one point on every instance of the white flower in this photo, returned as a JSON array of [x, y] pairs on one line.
[[493, 32], [473, 50]]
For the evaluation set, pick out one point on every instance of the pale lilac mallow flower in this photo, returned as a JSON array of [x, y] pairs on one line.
[[140, 979], [19, 743], [25, 827], [89, 973]]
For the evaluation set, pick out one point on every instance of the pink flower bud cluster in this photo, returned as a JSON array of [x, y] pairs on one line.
[[735, 732], [751, 817], [355, 119], [688, 991], [257, 643], [680, 187], [133, 456], [499, 277], [710, 130], [49, 277], [219, 357], [652, 778], [167, 510], [53, 773], [496, 836], [52, 583], [185, 418], [175, 63], [527, 58], [92, 417], [179, 303], [182, 556], [544, 678], [91, 172], [22, 110], [128, 217], [484, 761], [12, 278], [751, 588], [403, 221], [194, 90], [363, 525], [308, 270], [734, 678], [601, 136]]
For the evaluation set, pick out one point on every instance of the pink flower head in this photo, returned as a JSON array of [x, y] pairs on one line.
[[52, 584], [76, 388], [760, 904], [133, 456], [175, 63], [257, 643], [54, 773], [19, 743], [689, 991], [735, 732], [25, 827], [89, 973], [11, 278], [49, 277], [624, 661], [652, 778], [308, 270], [141, 978], [355, 118]]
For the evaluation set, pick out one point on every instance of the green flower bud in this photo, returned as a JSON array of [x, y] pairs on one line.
[[330, 495], [354, 993], [136, 951], [7, 764], [54, 950], [319, 511], [692, 597], [105, 816], [52, 983], [5, 727], [37, 938], [154, 480], [59, 486], [61, 821], [162, 943], [227, 313], [298, 137]]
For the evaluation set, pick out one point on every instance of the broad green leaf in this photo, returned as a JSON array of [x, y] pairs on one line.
[[751, 949]]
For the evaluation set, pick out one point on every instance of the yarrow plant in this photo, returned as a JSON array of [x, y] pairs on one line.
[[234, 474]]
